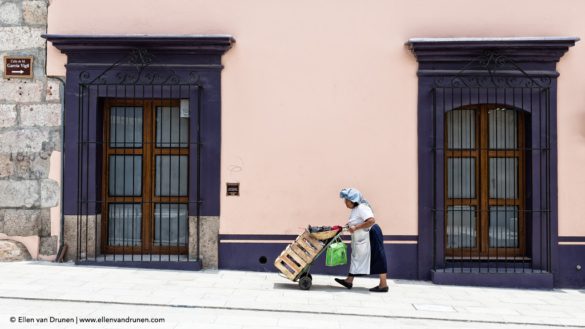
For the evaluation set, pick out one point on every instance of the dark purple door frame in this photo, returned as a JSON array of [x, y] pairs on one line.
[[184, 55], [445, 58]]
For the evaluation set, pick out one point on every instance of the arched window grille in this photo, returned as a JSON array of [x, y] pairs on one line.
[[491, 169]]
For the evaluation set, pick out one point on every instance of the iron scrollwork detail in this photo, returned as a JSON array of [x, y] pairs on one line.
[[136, 68], [140, 58], [492, 70]]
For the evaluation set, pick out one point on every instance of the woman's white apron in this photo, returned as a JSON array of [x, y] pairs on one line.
[[360, 252]]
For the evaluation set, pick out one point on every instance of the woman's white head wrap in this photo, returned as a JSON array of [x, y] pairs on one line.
[[353, 195]]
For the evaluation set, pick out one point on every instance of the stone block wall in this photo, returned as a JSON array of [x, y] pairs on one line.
[[30, 121], [209, 235]]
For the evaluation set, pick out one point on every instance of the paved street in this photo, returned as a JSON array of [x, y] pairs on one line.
[[31, 292]]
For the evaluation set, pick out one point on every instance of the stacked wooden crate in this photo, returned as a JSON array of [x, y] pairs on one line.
[[298, 255]]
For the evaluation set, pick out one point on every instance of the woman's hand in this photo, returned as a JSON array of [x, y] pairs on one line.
[[352, 229]]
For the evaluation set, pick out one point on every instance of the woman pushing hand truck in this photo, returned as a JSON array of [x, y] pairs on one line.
[[367, 242]]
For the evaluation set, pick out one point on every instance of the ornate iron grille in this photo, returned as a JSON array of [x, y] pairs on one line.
[[139, 147], [491, 169]]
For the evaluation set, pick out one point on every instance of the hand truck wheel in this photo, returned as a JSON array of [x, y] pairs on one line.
[[306, 281]]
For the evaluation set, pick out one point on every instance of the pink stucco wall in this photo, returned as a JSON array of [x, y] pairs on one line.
[[319, 95]]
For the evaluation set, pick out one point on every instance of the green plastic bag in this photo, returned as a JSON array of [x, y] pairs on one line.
[[336, 254]]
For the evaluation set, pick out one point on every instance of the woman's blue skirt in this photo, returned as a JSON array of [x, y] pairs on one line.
[[378, 255]]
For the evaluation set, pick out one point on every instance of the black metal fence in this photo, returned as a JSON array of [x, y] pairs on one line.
[[138, 161], [491, 168]]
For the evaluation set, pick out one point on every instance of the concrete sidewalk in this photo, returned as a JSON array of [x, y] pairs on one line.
[[206, 299]]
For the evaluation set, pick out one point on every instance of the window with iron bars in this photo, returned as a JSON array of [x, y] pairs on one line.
[[485, 182], [146, 159]]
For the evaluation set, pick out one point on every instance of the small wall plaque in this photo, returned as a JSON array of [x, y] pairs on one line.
[[18, 67], [233, 189], [184, 108]]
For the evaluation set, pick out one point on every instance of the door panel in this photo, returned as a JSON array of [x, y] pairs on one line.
[[145, 192], [125, 221], [461, 173], [171, 225], [461, 227], [126, 123]]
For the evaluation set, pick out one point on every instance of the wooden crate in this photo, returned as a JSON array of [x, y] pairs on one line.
[[311, 244], [298, 255]]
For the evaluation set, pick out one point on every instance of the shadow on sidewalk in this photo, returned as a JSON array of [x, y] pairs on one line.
[[321, 287]]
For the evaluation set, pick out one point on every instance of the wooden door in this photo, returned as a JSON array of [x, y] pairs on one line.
[[145, 181], [484, 183]]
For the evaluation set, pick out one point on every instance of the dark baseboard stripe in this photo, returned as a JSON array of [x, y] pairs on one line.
[[290, 237], [571, 238]]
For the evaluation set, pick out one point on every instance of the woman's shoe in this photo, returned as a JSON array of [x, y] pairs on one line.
[[344, 283], [378, 289]]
